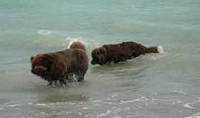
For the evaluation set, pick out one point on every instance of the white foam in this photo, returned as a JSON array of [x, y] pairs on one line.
[[14, 105], [160, 49], [193, 117], [134, 100], [40, 104], [30, 103], [180, 92], [44, 32], [85, 108], [187, 106], [79, 39], [70, 40], [197, 115]]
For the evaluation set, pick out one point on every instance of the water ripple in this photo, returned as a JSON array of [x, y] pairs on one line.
[[44, 32]]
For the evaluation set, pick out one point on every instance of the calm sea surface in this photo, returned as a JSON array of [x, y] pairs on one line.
[[151, 86]]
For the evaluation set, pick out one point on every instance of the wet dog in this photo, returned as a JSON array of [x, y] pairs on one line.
[[121, 52], [60, 67]]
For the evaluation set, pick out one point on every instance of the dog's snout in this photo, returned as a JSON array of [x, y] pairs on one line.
[[32, 70], [39, 70], [93, 62]]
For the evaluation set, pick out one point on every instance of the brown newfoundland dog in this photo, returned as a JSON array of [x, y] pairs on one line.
[[63, 66], [121, 52]]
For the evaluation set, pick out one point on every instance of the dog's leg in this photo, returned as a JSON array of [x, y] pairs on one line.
[[50, 83], [107, 63], [62, 82], [55, 83], [81, 76]]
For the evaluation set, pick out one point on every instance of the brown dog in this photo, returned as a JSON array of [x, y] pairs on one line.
[[59, 66], [121, 52]]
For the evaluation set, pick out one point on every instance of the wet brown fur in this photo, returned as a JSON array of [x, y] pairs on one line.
[[119, 52], [58, 66], [77, 45]]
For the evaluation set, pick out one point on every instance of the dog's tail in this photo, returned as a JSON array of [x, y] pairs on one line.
[[77, 45], [155, 49]]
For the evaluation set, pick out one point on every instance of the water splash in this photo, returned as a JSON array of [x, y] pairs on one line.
[[71, 40], [187, 105]]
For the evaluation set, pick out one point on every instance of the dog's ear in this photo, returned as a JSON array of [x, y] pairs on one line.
[[54, 65], [103, 51], [31, 59], [49, 57], [50, 61], [94, 52]]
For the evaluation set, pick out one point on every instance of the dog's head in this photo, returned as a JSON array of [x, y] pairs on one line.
[[41, 64], [77, 45], [99, 56]]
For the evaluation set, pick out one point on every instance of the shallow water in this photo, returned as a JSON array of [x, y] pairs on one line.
[[151, 86]]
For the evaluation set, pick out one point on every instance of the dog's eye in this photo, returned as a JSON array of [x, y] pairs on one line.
[[97, 53], [93, 55], [101, 51]]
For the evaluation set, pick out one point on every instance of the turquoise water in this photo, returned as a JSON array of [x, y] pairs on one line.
[[151, 86]]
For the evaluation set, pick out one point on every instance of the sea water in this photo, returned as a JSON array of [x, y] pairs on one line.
[[151, 86]]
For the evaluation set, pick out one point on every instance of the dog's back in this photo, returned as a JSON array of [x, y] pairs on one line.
[[115, 52], [77, 45]]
